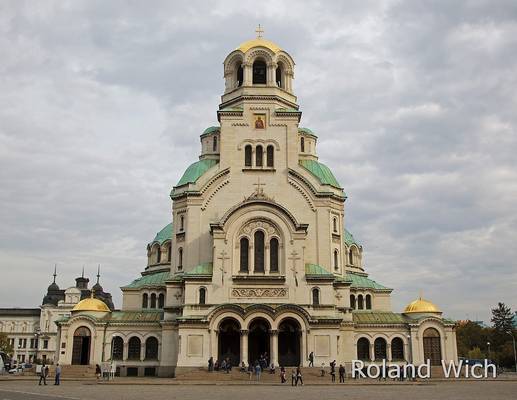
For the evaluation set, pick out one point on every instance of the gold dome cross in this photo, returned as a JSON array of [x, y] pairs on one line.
[[259, 32]]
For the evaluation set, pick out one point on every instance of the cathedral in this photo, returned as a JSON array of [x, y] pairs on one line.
[[256, 258]]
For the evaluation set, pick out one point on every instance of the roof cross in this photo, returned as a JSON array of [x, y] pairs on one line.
[[259, 185], [293, 258], [259, 32], [222, 258]]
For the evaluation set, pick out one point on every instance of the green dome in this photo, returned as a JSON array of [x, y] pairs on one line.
[[163, 235], [211, 129], [321, 171], [307, 131], [195, 171]]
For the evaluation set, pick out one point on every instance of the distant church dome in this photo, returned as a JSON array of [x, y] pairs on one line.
[[91, 304], [244, 47], [421, 306]]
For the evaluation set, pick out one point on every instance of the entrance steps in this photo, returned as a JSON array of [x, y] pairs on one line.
[[76, 371], [202, 375]]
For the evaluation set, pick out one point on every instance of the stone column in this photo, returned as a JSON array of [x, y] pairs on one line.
[[124, 353], [215, 344], [142, 351], [303, 344], [244, 346], [266, 257], [273, 346], [271, 74], [247, 74], [388, 352], [372, 352]]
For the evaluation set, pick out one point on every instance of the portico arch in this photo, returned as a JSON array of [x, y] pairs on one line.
[[289, 342], [258, 339], [229, 347], [81, 346]]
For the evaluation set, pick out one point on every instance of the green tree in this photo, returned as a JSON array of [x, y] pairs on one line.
[[476, 354], [5, 346], [502, 318]]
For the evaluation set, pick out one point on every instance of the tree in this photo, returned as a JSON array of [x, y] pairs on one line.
[[5, 346], [475, 354], [502, 318]]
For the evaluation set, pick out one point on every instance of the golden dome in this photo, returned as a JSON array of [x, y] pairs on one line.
[[421, 306], [91, 304], [244, 47]]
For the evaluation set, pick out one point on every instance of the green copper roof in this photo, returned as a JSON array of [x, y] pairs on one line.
[[211, 129], [377, 317], [316, 271], [363, 282], [307, 131], [287, 110], [320, 171], [156, 279], [135, 316], [163, 235], [201, 269], [349, 238], [196, 170]]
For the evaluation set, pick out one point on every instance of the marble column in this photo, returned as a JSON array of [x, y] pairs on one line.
[[388, 352], [244, 346], [273, 346]]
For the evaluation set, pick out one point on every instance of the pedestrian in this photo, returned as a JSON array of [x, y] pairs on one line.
[[57, 379], [342, 373], [282, 375], [333, 370], [43, 375], [258, 370], [210, 364], [223, 365], [98, 371], [322, 369], [299, 377], [293, 377], [311, 359], [250, 370]]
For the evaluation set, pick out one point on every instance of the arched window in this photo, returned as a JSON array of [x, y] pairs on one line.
[[302, 145], [278, 76], [363, 349], [334, 225], [315, 297], [182, 223], [352, 302], [247, 155], [158, 254], [379, 347], [351, 257], [180, 258], [161, 300], [117, 348], [145, 300], [368, 301], [273, 255], [169, 253], [214, 144], [258, 156], [270, 154], [151, 348], [360, 304], [259, 72], [202, 295], [259, 251], [244, 265], [153, 300], [133, 349], [240, 75], [336, 260], [397, 349]]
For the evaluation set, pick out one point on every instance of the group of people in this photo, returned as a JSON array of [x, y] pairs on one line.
[[45, 372]]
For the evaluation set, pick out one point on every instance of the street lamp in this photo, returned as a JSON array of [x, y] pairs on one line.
[[514, 352], [37, 335], [488, 344]]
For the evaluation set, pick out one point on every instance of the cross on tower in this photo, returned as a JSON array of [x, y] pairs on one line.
[[259, 185], [259, 32], [222, 258], [293, 258]]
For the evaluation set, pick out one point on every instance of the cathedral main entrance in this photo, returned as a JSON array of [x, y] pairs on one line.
[[258, 340], [432, 346], [229, 341], [289, 349], [81, 347]]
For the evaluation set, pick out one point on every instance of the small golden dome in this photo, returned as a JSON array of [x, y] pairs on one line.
[[421, 306], [91, 304], [244, 47]]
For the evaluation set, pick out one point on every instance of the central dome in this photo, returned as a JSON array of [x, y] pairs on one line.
[[421, 306], [244, 47], [91, 304]]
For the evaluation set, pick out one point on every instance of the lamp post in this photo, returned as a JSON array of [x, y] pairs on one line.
[[514, 352], [37, 335], [488, 344]]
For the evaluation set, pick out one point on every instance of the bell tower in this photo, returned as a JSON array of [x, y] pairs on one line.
[[258, 68]]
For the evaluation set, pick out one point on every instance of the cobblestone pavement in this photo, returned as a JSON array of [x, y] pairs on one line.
[[471, 390]]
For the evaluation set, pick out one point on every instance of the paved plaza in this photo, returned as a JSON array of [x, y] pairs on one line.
[[28, 390]]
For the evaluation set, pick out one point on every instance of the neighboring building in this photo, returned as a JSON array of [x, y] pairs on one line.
[[257, 258], [33, 331]]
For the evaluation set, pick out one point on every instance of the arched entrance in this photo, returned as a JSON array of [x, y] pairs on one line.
[[81, 348], [432, 346], [229, 344], [258, 340], [289, 343]]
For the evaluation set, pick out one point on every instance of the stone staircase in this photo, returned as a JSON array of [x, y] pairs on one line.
[[76, 371]]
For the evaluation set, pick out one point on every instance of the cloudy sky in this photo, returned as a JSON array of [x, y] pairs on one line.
[[102, 104]]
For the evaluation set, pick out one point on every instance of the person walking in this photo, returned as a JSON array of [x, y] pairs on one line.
[[293, 377], [299, 377], [98, 371], [43, 375], [258, 370], [333, 370], [210, 364], [282, 375], [311, 359], [57, 378], [342, 373]]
